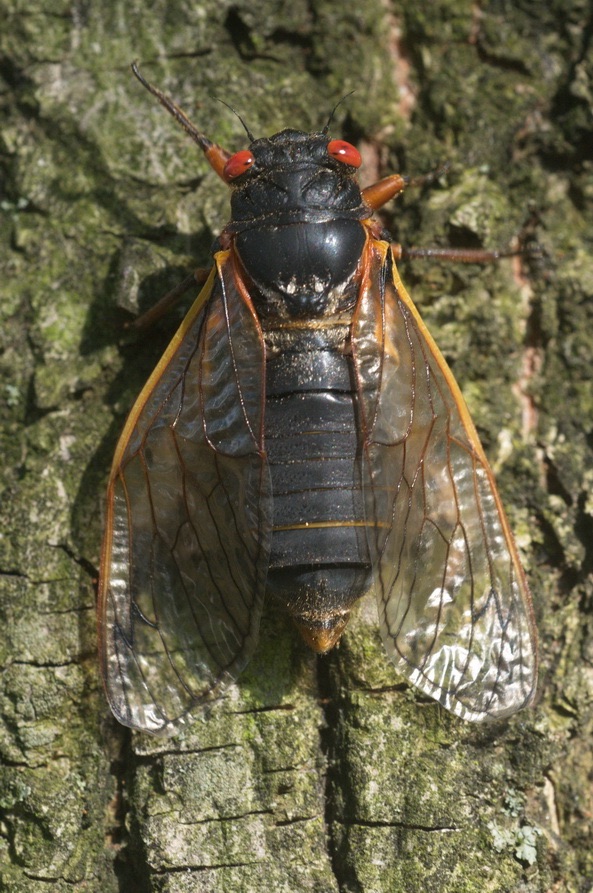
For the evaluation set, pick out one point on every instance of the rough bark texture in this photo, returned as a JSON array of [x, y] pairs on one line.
[[312, 775]]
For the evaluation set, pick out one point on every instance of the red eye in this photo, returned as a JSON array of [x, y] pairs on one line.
[[344, 152], [238, 164]]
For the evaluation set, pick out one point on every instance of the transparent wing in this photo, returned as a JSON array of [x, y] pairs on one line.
[[188, 518], [454, 605]]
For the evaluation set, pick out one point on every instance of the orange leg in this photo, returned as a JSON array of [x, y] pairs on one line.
[[216, 155], [459, 255], [378, 194], [198, 277]]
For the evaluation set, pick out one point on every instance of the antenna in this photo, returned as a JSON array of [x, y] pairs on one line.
[[235, 112], [333, 111]]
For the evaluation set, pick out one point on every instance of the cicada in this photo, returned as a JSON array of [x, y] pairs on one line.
[[303, 440]]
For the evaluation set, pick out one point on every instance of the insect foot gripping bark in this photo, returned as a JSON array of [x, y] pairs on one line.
[[303, 440]]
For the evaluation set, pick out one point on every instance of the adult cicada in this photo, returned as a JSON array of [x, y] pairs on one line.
[[303, 440]]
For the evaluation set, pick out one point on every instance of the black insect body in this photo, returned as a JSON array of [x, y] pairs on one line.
[[303, 439], [296, 221]]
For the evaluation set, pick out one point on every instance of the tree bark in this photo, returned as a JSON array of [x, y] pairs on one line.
[[312, 774]]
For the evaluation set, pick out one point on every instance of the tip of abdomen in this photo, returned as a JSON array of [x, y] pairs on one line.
[[322, 635]]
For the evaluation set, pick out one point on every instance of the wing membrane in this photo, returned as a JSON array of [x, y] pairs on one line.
[[189, 506], [454, 605]]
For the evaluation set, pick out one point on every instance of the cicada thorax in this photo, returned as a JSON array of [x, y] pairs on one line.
[[298, 233]]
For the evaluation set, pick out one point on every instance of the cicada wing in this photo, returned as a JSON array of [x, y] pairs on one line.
[[454, 605], [188, 518]]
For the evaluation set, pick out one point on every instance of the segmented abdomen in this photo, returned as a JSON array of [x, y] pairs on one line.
[[319, 562]]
